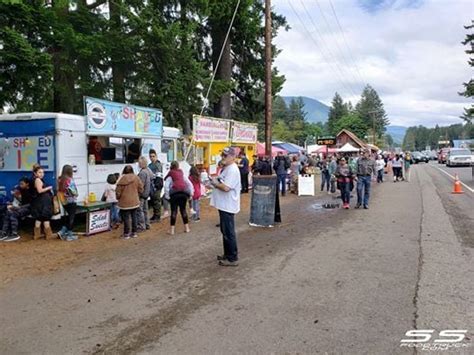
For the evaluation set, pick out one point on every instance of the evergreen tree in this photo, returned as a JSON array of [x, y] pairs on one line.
[[469, 86], [337, 110], [370, 109], [353, 123]]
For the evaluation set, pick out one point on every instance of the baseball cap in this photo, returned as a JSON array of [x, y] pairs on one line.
[[229, 151]]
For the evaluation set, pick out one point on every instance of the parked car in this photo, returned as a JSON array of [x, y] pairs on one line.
[[419, 158], [442, 154], [459, 157], [431, 154]]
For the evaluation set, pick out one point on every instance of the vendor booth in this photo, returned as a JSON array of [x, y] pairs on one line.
[[275, 150], [211, 135]]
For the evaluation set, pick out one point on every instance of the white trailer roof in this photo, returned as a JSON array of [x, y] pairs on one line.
[[27, 116]]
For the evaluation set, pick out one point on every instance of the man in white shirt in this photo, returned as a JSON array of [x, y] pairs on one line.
[[226, 198]]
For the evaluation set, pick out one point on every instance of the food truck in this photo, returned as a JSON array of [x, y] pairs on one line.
[[211, 135], [55, 139]]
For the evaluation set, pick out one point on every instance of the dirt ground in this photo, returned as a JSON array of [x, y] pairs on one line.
[[29, 257]]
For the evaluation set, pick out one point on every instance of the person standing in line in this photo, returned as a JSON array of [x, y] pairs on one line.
[[146, 176], [157, 169], [110, 197], [178, 190], [365, 168], [41, 204], [226, 199], [332, 170], [407, 162], [345, 182], [325, 177], [295, 169], [281, 166], [67, 192], [380, 166], [195, 178], [129, 188], [244, 172]]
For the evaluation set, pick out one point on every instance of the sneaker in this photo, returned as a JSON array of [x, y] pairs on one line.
[[357, 206], [126, 236], [166, 214], [228, 263], [366, 207], [3, 235], [147, 227], [62, 232], [134, 235], [11, 238], [221, 257], [154, 219], [197, 220]]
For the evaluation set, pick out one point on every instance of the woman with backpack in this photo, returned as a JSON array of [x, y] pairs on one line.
[[178, 190], [67, 192], [345, 182]]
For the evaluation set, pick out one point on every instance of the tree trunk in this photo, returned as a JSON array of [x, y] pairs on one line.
[[118, 70], [63, 75], [222, 108]]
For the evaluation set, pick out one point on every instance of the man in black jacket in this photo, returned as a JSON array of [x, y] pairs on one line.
[[281, 166]]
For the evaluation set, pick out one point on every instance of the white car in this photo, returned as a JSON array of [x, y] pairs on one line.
[[459, 157]]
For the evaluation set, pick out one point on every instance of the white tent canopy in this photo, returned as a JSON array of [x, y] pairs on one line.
[[312, 148], [348, 148]]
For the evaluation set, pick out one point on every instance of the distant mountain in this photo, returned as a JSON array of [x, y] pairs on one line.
[[397, 133], [316, 110]]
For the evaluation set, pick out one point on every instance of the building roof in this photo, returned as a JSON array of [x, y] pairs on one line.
[[356, 139]]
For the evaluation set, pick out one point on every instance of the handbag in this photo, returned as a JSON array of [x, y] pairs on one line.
[[56, 205]]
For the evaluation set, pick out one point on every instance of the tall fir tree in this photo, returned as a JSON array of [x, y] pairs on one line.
[[337, 110], [468, 115], [371, 110]]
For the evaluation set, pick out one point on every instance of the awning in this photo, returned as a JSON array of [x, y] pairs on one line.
[[348, 148], [261, 150], [289, 147]]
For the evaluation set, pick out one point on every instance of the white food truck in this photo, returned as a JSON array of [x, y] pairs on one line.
[[55, 139]]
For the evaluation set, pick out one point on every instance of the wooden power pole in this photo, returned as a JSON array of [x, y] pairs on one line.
[[268, 78]]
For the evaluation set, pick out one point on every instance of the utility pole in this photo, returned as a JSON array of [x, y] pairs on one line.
[[268, 78]]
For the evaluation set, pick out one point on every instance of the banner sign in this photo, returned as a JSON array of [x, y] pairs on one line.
[[98, 221], [20, 153], [113, 118], [328, 140], [244, 132], [209, 129]]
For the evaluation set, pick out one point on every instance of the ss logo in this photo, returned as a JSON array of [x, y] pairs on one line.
[[445, 336]]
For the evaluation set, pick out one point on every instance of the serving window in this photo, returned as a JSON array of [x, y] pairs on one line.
[[113, 150]]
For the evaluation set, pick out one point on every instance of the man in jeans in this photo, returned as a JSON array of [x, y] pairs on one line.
[[157, 170], [146, 177], [365, 168], [244, 172], [226, 198], [281, 166], [15, 212]]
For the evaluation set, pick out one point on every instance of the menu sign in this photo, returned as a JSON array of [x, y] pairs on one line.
[[244, 132], [209, 129]]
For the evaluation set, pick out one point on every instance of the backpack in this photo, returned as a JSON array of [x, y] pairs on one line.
[[287, 163], [157, 183]]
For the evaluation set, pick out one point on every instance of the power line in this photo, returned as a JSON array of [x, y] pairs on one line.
[[339, 76], [345, 41], [348, 66], [331, 53]]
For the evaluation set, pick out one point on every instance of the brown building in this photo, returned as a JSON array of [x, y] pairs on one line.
[[346, 136]]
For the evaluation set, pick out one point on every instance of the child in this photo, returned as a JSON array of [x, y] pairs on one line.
[[195, 179], [109, 195]]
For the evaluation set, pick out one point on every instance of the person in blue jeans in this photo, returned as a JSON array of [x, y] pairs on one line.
[[281, 166], [325, 175], [365, 168], [226, 199]]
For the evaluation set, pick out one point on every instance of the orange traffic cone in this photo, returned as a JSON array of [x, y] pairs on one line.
[[457, 185]]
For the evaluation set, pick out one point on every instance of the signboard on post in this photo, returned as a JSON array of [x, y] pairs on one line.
[[244, 132], [117, 119], [262, 208], [327, 140], [209, 129], [98, 221]]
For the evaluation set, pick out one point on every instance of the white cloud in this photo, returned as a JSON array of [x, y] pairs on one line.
[[412, 55]]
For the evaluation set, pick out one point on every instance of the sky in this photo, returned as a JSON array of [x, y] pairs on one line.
[[410, 51]]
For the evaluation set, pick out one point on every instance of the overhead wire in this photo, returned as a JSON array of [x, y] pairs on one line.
[[346, 42], [337, 71], [346, 72]]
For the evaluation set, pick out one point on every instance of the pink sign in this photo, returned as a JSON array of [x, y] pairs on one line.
[[244, 133], [208, 129]]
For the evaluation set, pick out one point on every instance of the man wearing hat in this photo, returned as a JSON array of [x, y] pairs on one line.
[[365, 168], [226, 198]]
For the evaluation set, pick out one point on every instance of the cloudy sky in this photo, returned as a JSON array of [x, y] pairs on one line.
[[410, 51]]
